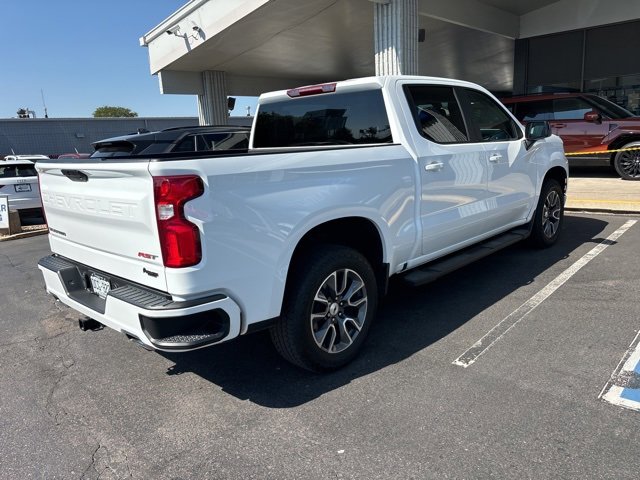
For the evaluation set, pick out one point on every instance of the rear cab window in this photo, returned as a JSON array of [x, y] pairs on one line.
[[349, 118]]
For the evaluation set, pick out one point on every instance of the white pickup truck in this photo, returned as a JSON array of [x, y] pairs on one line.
[[343, 186]]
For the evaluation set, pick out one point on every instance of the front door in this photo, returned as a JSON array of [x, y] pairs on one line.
[[512, 176], [568, 122]]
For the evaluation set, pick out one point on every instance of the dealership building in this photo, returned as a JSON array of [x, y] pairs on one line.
[[217, 48], [220, 48]]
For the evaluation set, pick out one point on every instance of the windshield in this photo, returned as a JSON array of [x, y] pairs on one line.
[[610, 109]]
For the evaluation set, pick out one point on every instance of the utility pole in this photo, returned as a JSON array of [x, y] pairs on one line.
[[46, 115]]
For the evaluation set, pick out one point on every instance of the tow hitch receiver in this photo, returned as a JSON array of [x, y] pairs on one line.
[[87, 323]]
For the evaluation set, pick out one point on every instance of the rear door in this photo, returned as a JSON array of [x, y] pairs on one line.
[[453, 169], [102, 214]]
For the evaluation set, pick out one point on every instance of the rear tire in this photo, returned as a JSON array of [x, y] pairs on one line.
[[627, 164], [549, 216], [328, 309]]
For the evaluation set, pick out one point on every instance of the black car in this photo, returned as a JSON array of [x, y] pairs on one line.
[[174, 140]]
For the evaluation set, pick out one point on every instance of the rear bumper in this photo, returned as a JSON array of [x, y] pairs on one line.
[[147, 315]]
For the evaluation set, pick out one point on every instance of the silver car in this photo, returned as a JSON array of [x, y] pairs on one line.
[[19, 181]]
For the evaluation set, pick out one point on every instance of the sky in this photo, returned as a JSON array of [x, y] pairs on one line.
[[83, 54]]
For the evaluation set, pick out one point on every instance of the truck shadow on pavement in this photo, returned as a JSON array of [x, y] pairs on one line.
[[408, 321]]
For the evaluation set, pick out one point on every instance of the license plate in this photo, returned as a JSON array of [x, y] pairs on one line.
[[100, 285], [25, 187]]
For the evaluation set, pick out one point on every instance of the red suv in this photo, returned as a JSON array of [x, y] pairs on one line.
[[587, 124]]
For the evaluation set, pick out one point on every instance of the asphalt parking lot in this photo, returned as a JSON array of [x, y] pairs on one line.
[[93, 405]]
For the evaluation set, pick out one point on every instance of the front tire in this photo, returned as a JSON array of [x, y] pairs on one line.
[[627, 164], [549, 216], [328, 309]]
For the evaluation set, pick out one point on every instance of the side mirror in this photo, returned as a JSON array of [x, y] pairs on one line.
[[593, 117], [534, 131]]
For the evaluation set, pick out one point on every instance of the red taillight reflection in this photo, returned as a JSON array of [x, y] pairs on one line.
[[179, 238]]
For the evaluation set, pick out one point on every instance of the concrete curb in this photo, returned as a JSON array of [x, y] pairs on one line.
[[609, 211], [31, 233]]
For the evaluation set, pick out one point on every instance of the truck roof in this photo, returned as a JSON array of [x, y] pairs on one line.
[[366, 83]]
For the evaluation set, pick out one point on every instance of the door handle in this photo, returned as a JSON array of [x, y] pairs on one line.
[[495, 157], [434, 166], [558, 125]]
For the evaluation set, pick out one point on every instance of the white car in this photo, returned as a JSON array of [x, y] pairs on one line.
[[31, 158], [19, 181]]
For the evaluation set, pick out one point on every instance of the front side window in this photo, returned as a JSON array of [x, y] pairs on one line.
[[609, 108], [437, 113], [494, 123], [326, 119]]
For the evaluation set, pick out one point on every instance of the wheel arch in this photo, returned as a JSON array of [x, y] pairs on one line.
[[559, 174], [357, 232], [620, 142]]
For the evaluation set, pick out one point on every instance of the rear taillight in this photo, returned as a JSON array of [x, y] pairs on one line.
[[179, 238]]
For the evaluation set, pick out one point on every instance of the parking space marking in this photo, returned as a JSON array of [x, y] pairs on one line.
[[500, 330], [623, 388]]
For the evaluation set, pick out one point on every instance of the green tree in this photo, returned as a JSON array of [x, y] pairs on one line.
[[108, 111]]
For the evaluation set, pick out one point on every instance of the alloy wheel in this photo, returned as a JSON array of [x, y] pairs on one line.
[[339, 310], [551, 214]]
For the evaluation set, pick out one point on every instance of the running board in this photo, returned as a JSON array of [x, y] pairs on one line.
[[437, 268]]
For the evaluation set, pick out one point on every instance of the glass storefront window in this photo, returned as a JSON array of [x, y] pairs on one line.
[[573, 86], [624, 91]]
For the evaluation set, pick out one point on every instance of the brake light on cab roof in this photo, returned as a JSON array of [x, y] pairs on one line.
[[312, 90]]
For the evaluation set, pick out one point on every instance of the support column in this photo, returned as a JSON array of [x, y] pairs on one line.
[[396, 37], [212, 103]]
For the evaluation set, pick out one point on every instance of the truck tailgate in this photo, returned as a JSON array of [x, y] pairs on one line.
[[102, 214]]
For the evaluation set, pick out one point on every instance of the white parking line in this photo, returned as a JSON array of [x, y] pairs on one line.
[[515, 317], [623, 388]]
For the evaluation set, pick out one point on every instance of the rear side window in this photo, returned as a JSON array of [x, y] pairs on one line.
[[325, 119], [437, 113], [223, 141], [14, 171], [570, 108], [188, 144], [213, 141], [537, 110], [494, 123]]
